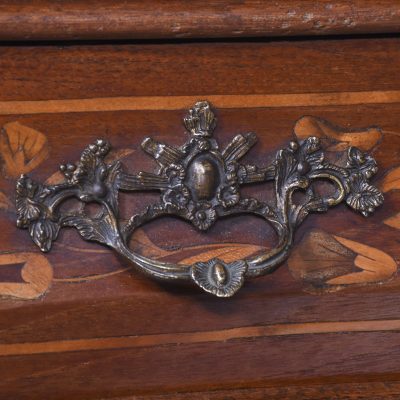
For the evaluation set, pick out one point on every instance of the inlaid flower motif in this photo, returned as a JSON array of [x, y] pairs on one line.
[[198, 182], [22, 149]]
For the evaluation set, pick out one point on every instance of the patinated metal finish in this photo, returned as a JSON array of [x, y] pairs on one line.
[[199, 183]]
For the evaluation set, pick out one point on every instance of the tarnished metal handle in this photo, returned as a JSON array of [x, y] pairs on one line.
[[198, 183]]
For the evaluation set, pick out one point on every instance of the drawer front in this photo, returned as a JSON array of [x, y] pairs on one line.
[[81, 322]]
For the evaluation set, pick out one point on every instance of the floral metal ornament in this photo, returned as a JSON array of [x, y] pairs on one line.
[[199, 183]]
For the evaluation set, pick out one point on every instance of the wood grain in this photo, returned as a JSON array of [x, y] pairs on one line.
[[22, 149], [391, 180], [243, 363], [127, 342], [160, 19], [101, 330], [36, 274], [337, 138], [196, 69], [141, 103], [128, 289], [376, 265], [313, 391], [393, 221], [326, 263]]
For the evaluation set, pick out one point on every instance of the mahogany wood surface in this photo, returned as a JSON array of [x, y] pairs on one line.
[[179, 19], [80, 323]]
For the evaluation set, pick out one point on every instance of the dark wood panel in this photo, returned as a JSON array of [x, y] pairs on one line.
[[259, 362], [349, 391], [68, 72], [84, 302], [85, 326]]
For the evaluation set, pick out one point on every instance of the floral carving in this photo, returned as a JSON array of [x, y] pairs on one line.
[[96, 181], [199, 183], [185, 174], [228, 196], [203, 216], [89, 180], [44, 232], [28, 210], [33, 214], [178, 196], [362, 196]]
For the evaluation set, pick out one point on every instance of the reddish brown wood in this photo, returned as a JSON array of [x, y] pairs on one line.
[[350, 391], [199, 69], [89, 19], [247, 363], [102, 331]]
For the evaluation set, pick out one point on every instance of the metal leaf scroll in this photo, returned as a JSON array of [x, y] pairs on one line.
[[199, 183]]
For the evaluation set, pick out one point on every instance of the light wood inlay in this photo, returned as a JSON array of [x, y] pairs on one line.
[[135, 103], [108, 343]]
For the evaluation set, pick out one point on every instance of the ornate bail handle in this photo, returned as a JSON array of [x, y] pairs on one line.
[[199, 183]]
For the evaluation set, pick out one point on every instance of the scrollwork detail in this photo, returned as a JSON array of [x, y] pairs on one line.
[[198, 183]]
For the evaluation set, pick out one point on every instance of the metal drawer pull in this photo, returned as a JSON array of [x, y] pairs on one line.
[[199, 183]]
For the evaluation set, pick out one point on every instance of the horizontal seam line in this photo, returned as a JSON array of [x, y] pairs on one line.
[[138, 341], [137, 103]]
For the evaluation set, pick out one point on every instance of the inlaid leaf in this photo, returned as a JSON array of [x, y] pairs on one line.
[[142, 244], [376, 265], [21, 148], [228, 252], [324, 262], [117, 154], [5, 203], [37, 274], [393, 221], [55, 179], [391, 181], [338, 138]]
